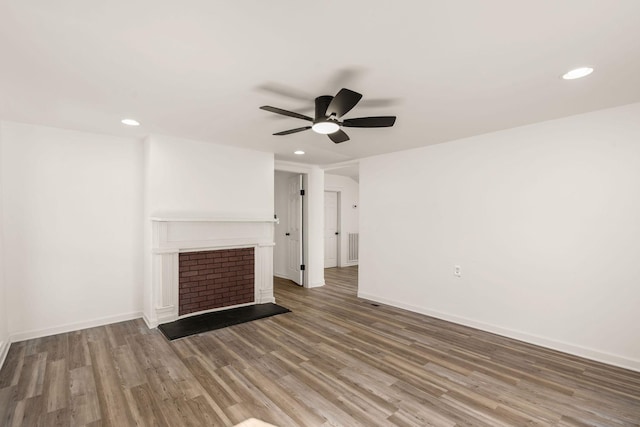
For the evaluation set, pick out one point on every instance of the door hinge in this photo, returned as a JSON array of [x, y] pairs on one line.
[[302, 267], [302, 192]]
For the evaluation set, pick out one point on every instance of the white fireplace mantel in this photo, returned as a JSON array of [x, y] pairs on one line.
[[206, 219], [172, 236]]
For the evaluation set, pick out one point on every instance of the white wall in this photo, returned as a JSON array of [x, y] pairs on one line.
[[349, 196], [72, 229], [543, 220], [202, 178], [185, 178], [4, 332]]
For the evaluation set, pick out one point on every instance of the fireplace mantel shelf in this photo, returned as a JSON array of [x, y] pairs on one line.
[[209, 219]]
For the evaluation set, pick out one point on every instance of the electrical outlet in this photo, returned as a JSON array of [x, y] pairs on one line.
[[457, 271]]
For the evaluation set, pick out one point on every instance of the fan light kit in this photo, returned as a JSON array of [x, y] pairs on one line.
[[578, 73], [325, 127], [299, 152], [329, 110], [130, 122]]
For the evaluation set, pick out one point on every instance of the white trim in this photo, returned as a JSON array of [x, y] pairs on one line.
[[286, 166], [587, 353], [316, 284], [287, 278], [150, 324], [208, 219], [213, 310], [191, 250], [70, 327], [340, 165], [4, 350], [204, 249]]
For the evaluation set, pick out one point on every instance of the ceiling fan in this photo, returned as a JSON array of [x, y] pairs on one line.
[[329, 109]]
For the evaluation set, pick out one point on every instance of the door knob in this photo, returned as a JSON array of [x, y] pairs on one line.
[[336, 233], [286, 234]]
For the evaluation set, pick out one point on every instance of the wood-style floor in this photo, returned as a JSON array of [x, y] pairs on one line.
[[336, 360]]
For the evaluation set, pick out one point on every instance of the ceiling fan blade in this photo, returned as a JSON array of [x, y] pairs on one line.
[[343, 102], [287, 132], [322, 103], [338, 136], [286, 113], [370, 122]]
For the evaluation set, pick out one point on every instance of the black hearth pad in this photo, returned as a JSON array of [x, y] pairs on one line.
[[219, 319]]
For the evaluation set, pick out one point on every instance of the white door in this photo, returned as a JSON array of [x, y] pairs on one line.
[[330, 229], [294, 232]]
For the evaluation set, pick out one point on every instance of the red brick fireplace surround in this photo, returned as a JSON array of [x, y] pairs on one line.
[[214, 279]]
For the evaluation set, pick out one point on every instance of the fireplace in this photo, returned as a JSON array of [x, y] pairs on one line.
[[193, 263], [213, 279]]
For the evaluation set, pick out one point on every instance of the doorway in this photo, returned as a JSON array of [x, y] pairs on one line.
[[341, 220], [312, 221], [331, 228], [289, 251]]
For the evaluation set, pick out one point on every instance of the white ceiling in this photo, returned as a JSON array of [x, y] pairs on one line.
[[351, 170], [200, 69]]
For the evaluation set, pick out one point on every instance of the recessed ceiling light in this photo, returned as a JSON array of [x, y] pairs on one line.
[[578, 73], [130, 122], [325, 127], [299, 152]]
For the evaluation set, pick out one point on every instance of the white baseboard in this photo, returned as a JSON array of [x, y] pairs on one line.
[[313, 285], [70, 327], [316, 284], [4, 350], [587, 353], [150, 324]]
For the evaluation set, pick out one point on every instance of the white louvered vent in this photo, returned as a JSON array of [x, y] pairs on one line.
[[353, 246]]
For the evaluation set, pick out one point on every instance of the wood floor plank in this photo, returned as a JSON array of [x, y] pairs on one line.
[[8, 404], [15, 359], [84, 403], [56, 385], [144, 408], [323, 404], [209, 413], [297, 411], [114, 409], [32, 376], [78, 350], [128, 369], [15, 418], [217, 389]]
